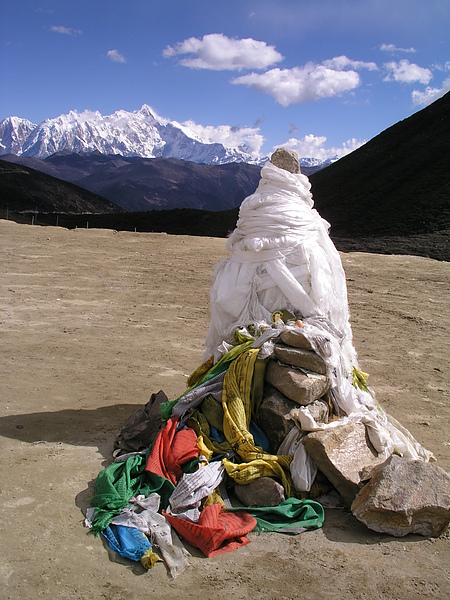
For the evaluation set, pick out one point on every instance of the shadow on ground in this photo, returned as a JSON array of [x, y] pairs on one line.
[[97, 427]]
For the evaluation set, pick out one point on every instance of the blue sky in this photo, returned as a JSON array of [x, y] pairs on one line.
[[321, 76]]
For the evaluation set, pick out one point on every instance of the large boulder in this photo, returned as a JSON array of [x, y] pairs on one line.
[[406, 496], [296, 385], [344, 455]]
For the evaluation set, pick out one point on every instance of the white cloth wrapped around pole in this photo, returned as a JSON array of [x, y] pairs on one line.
[[281, 258]]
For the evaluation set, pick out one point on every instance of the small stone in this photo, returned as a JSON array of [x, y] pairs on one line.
[[319, 410], [343, 454], [296, 338], [298, 387], [406, 496], [264, 491], [286, 159], [299, 357], [272, 416]]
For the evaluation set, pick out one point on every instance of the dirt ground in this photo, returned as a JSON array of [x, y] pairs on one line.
[[94, 321]]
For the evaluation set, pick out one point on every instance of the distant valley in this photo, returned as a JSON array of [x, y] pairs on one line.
[[142, 184]]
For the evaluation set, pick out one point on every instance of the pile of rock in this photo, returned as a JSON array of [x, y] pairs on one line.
[[396, 496]]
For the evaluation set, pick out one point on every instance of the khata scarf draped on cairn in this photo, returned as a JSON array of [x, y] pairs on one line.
[[282, 258]]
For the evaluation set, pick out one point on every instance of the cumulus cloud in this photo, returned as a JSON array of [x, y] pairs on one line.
[[393, 49], [301, 84], [229, 136], [65, 30], [218, 52], [406, 72], [115, 56], [339, 63], [313, 146], [430, 94]]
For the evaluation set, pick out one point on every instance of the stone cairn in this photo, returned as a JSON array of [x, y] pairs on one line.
[[397, 496]]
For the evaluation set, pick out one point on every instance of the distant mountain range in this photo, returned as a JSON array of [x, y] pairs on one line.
[[137, 160], [137, 133], [140, 133], [392, 195], [142, 184]]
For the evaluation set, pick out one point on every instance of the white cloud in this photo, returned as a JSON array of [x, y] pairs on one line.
[[393, 49], [219, 52], [225, 134], [430, 94], [65, 30], [406, 72], [441, 67], [313, 146], [301, 84], [342, 62], [115, 56]]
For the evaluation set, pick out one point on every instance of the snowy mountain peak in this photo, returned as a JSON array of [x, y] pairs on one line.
[[146, 111], [141, 133], [13, 133], [17, 122]]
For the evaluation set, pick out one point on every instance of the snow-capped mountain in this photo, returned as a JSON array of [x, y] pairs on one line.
[[13, 134], [141, 133], [138, 133], [310, 162]]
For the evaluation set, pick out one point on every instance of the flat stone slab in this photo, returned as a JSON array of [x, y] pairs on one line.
[[272, 416], [296, 338], [298, 387], [343, 454], [264, 491], [299, 357], [406, 496]]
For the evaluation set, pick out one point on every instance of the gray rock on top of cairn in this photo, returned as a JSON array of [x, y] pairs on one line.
[[286, 159]]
